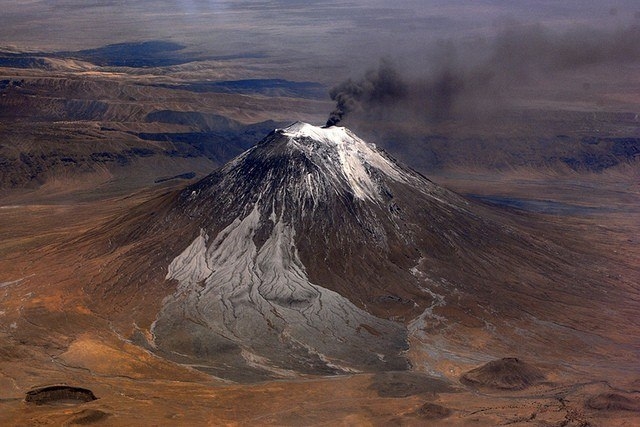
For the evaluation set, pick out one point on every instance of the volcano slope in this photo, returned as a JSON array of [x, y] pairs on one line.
[[316, 253]]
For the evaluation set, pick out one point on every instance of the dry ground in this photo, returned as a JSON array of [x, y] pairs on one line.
[[135, 387]]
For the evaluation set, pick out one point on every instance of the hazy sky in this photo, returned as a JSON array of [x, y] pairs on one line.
[[320, 40], [343, 27]]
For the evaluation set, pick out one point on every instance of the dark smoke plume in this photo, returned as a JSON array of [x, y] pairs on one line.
[[461, 80], [377, 88]]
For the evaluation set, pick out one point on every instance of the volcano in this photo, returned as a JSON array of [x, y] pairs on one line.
[[314, 252]]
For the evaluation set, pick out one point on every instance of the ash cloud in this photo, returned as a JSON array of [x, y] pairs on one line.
[[460, 80], [379, 87]]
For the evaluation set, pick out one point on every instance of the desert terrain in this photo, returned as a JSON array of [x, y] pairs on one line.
[[102, 132]]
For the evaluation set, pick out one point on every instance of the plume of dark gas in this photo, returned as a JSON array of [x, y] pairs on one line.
[[381, 87], [469, 80]]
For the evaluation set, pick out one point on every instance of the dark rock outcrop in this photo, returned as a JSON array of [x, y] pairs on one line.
[[59, 394], [509, 373], [613, 402]]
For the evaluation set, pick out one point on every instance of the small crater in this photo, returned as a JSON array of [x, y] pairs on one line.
[[504, 374], [613, 402], [431, 411], [59, 395], [87, 416]]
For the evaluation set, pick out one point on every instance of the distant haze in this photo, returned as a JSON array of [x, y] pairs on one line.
[[448, 57], [357, 29]]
